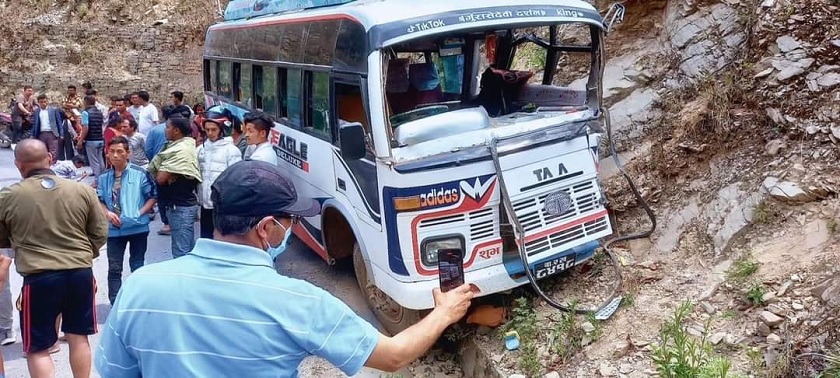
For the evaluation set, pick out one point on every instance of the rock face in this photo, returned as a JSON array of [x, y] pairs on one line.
[[55, 49], [688, 28]]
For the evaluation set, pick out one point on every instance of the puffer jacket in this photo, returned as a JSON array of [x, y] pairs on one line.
[[213, 159]]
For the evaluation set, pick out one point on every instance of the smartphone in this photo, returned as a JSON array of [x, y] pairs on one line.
[[450, 268]]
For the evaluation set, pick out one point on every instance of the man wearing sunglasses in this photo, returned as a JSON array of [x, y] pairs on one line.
[[223, 311]]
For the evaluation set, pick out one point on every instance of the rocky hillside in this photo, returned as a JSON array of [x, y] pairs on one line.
[[119, 46], [728, 115]]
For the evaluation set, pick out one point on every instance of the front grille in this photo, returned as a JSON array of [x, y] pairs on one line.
[[482, 223], [532, 215], [568, 235]]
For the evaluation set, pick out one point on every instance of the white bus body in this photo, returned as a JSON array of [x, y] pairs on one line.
[[427, 179]]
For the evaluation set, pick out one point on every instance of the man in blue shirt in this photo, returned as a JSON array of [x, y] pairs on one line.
[[127, 193], [156, 139], [169, 316]]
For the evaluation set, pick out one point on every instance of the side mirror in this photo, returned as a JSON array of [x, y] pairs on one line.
[[352, 137], [615, 15]]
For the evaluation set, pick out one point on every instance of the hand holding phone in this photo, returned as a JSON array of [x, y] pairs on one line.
[[450, 268]]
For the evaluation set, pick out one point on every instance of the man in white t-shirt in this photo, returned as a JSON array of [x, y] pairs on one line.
[[149, 116], [257, 129], [136, 105]]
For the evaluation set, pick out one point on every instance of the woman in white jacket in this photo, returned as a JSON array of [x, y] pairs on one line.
[[214, 156]]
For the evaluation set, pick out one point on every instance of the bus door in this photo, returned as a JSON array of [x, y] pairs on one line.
[[355, 179]]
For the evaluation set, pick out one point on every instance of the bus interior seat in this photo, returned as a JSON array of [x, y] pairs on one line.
[[426, 82], [397, 86]]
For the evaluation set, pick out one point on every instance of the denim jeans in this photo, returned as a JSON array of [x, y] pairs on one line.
[[116, 255], [182, 222], [95, 155], [7, 310]]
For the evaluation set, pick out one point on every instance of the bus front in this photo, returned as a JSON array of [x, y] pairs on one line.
[[493, 120]]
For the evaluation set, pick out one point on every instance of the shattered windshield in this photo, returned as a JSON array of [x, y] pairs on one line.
[[529, 69]]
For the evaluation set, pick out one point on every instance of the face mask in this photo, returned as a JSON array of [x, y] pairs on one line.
[[273, 252]]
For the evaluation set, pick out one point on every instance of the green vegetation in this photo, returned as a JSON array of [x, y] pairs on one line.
[[755, 294], [762, 213], [680, 355], [524, 322], [744, 267]]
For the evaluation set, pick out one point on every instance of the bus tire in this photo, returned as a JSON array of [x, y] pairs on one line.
[[393, 317]]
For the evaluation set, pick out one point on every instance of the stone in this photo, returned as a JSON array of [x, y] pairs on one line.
[[552, 374], [829, 80], [626, 368], [784, 288], [775, 115], [835, 42], [768, 3], [825, 68], [787, 43], [708, 307], [587, 327], [770, 319], [776, 309], [768, 297], [607, 370], [763, 329], [787, 191], [496, 358], [789, 72], [764, 73], [797, 306], [774, 339], [717, 338], [773, 147]]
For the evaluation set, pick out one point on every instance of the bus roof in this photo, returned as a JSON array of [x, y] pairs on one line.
[[392, 21]]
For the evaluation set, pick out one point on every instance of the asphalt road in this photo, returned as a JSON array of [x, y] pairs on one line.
[[298, 261]]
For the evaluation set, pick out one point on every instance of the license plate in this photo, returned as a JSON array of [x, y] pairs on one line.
[[554, 266]]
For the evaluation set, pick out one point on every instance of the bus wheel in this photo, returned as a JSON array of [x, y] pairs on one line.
[[394, 318]]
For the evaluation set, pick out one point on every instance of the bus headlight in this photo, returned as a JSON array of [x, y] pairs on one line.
[[430, 247]]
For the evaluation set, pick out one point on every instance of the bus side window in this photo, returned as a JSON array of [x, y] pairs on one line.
[[225, 86], [266, 91], [244, 85], [317, 104], [213, 71], [294, 94], [351, 108]]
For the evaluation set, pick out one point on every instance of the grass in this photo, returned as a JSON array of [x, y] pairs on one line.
[[755, 294], [831, 225], [524, 322], [680, 355], [762, 213], [567, 335], [832, 369], [742, 268]]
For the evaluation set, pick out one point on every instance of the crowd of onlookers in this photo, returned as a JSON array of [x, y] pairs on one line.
[[142, 161]]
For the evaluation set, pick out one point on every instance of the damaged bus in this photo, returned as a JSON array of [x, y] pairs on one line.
[[424, 126]]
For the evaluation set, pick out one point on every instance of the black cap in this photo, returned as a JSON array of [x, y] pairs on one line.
[[252, 188]]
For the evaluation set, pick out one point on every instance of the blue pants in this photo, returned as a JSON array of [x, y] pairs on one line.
[[116, 255], [182, 222]]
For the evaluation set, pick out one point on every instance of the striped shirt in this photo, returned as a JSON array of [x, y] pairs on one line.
[[223, 311]]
